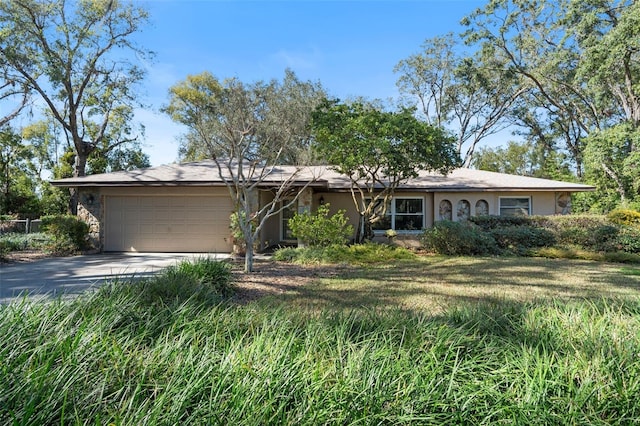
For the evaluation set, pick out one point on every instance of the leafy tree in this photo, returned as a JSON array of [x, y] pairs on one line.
[[524, 159], [17, 177], [107, 159], [378, 151], [612, 162], [248, 130], [15, 94], [76, 56], [472, 95], [579, 58]]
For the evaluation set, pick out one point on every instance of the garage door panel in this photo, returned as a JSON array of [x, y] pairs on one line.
[[167, 223]]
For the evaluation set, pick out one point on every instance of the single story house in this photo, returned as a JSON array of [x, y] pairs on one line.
[[187, 207]]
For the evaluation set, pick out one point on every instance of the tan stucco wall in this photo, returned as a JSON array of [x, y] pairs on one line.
[[542, 203]]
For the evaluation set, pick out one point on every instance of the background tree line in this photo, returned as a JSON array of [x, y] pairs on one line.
[[563, 76]]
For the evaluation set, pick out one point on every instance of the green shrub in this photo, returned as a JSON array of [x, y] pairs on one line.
[[357, 254], [69, 233], [624, 217], [492, 221], [318, 229], [587, 232], [519, 239], [458, 238], [627, 240]]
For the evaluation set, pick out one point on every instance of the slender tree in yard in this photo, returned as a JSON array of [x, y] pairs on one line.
[[78, 58], [378, 151], [249, 130]]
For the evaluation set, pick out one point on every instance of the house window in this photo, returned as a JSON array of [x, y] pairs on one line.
[[286, 214], [464, 210], [482, 208], [515, 206], [445, 210], [404, 214]]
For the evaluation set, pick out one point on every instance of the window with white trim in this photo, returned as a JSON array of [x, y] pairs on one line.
[[515, 206], [404, 214]]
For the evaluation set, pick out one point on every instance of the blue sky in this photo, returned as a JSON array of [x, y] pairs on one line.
[[351, 47]]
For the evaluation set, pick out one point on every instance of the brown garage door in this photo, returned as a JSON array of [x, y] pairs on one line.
[[167, 223]]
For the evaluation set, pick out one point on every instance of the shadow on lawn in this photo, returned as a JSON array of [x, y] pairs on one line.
[[433, 284]]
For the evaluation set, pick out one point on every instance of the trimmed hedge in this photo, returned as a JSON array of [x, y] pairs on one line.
[[521, 235], [458, 238], [520, 239]]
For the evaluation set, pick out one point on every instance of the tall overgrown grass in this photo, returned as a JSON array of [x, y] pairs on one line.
[[132, 354]]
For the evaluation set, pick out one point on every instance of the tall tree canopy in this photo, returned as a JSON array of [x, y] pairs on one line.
[[18, 176], [581, 62], [248, 130], [78, 57], [13, 96], [378, 150], [471, 95], [524, 159]]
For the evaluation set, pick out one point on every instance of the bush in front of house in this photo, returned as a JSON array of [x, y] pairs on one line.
[[624, 217], [490, 222], [68, 232], [586, 232], [516, 234], [458, 238], [200, 282], [520, 239], [318, 229]]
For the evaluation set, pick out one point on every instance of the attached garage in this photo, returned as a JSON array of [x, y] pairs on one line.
[[167, 223]]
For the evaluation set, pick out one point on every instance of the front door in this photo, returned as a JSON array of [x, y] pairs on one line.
[[286, 214]]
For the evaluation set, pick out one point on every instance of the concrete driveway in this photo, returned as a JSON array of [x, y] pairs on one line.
[[50, 278]]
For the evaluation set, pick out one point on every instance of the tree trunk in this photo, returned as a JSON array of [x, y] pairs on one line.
[[83, 150], [248, 259], [621, 189]]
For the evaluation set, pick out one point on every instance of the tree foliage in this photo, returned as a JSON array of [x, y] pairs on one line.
[[248, 130], [77, 58], [580, 60], [378, 151], [470, 94], [17, 177], [524, 159]]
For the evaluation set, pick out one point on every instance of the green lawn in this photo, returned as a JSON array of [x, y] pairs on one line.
[[435, 341], [433, 284]]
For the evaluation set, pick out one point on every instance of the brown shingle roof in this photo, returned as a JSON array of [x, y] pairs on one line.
[[205, 173]]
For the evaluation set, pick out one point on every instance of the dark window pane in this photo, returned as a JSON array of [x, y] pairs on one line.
[[408, 205], [409, 222]]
